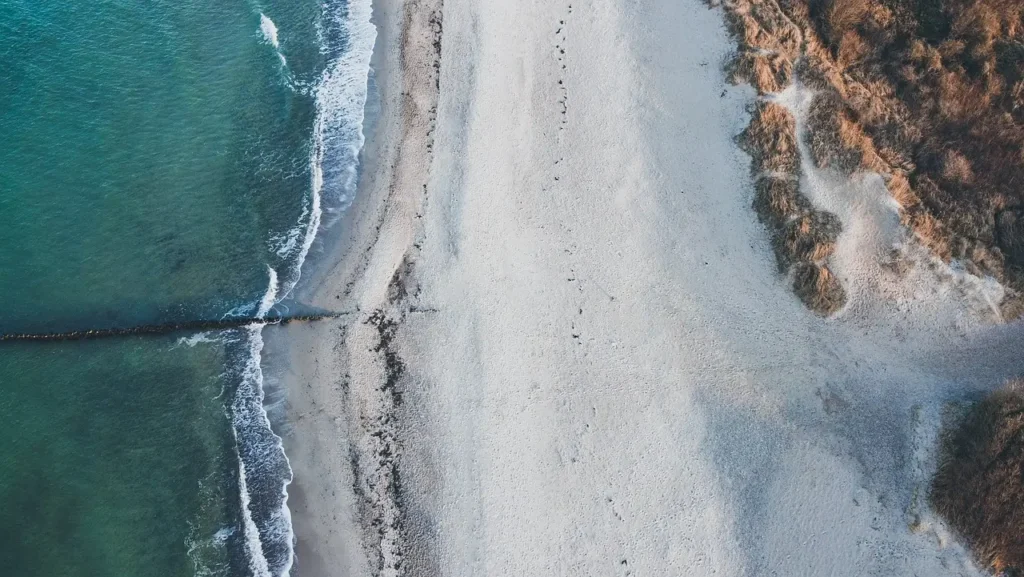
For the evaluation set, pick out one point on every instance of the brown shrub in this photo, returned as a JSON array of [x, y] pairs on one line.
[[811, 237], [979, 485], [777, 200], [768, 73], [899, 189], [798, 11], [881, 15], [835, 140], [989, 262], [837, 17], [956, 168], [979, 22], [816, 69], [852, 48], [950, 50], [818, 288], [919, 50], [775, 32], [770, 139], [959, 99], [928, 230], [762, 26]]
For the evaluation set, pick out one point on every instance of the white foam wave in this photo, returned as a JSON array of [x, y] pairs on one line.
[[249, 414], [270, 297], [197, 549], [338, 130], [257, 559], [198, 338], [337, 140], [263, 449], [242, 310], [223, 534], [269, 30], [284, 244]]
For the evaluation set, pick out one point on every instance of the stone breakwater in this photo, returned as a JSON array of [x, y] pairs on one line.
[[164, 328]]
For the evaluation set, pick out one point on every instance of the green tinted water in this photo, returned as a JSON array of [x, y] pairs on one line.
[[155, 163]]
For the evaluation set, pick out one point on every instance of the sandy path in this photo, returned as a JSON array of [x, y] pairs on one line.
[[588, 364]]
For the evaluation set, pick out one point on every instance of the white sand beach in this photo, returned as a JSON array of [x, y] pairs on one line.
[[570, 351]]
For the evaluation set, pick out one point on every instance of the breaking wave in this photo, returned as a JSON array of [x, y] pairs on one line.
[[347, 38], [269, 30]]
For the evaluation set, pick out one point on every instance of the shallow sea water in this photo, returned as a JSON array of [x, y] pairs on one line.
[[159, 164]]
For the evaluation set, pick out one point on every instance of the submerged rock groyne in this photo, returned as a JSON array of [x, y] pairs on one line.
[[163, 328]]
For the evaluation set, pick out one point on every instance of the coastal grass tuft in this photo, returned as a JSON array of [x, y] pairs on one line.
[[818, 288], [803, 238], [770, 139], [778, 199], [810, 238], [979, 486], [768, 73], [837, 19]]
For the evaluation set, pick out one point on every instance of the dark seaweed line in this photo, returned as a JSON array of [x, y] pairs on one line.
[[164, 328]]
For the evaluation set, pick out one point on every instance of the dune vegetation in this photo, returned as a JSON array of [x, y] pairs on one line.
[[979, 487], [928, 93]]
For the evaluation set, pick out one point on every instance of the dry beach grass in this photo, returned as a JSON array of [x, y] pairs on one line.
[[926, 93], [802, 236], [979, 486]]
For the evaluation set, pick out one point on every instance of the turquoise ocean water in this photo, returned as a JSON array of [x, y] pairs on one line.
[[161, 161]]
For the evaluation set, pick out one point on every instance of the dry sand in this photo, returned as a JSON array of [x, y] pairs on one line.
[[571, 352]]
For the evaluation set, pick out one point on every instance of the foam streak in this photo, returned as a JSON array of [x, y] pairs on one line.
[[337, 140]]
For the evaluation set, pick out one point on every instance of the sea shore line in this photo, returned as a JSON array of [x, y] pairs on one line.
[[342, 498]]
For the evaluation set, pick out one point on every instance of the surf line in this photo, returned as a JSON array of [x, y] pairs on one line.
[[165, 328]]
